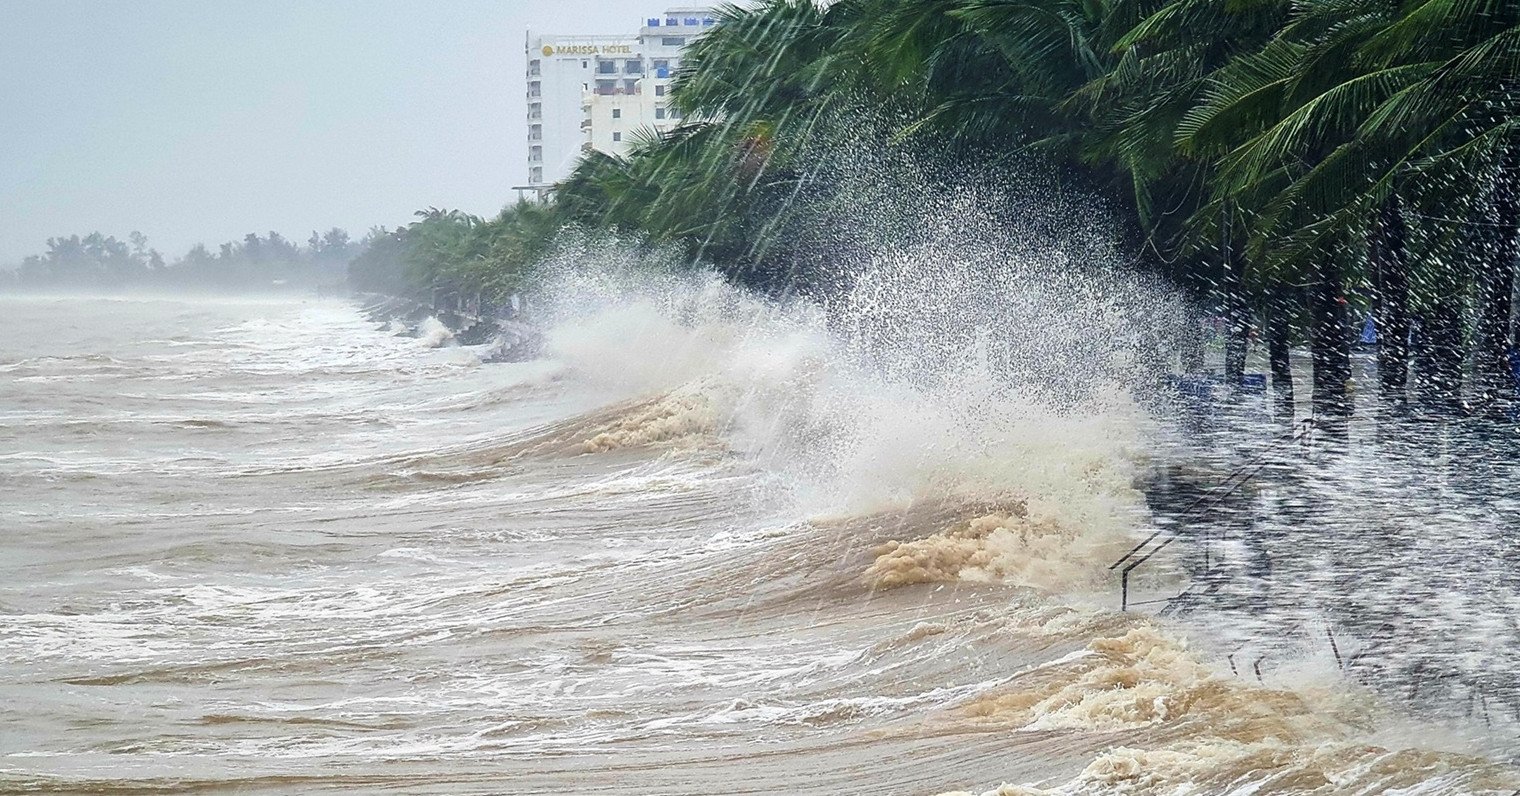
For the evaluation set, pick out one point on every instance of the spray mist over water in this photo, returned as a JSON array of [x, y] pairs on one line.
[[433, 333], [968, 362]]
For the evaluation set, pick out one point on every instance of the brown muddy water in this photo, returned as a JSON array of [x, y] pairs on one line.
[[264, 547]]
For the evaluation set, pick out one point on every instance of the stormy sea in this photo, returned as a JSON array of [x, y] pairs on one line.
[[715, 543]]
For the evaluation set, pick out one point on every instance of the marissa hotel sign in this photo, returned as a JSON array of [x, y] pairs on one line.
[[587, 49]]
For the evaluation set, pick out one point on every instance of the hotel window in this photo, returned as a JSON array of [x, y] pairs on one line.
[[633, 67], [662, 68], [535, 153], [659, 113], [671, 22], [673, 41], [606, 67], [617, 113], [535, 132], [659, 91], [617, 136], [536, 174], [707, 21], [690, 21], [653, 23]]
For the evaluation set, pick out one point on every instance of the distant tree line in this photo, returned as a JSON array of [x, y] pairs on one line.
[[102, 262]]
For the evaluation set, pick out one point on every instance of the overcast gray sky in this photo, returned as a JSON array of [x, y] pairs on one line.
[[201, 120]]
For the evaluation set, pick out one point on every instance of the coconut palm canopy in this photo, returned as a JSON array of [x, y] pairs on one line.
[[1285, 161]]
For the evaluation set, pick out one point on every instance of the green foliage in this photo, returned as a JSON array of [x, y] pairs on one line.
[[451, 252]]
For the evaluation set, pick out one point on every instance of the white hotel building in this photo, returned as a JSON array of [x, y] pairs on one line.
[[593, 92]]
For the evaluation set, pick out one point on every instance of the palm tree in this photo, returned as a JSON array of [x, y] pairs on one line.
[[1358, 99], [1169, 54]]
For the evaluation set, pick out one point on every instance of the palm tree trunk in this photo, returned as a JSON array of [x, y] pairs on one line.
[[1190, 352], [1279, 340], [1389, 257], [1496, 292], [1237, 312], [1238, 322], [1331, 346], [1440, 356]]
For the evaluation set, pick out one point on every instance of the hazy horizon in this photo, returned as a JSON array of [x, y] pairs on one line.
[[199, 123]]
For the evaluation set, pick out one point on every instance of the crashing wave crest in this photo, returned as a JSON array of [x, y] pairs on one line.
[[1020, 544]]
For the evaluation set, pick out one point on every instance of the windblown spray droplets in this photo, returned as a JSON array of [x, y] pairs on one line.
[[964, 347]]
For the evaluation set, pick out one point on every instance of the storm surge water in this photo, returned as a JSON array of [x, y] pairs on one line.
[[710, 543]]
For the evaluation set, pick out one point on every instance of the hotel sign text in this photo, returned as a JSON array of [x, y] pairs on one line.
[[588, 49]]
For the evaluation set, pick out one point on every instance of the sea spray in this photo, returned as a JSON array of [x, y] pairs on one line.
[[1013, 396], [941, 369], [433, 333]]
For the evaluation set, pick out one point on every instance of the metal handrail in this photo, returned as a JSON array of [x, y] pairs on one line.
[[1232, 483]]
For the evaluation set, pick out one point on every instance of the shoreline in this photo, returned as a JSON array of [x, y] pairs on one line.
[[509, 337]]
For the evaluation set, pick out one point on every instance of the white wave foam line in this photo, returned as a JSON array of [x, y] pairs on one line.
[[818, 713]]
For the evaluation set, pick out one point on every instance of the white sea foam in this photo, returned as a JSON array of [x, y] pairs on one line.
[[433, 333]]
